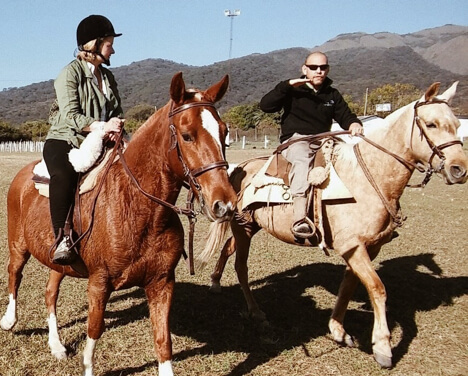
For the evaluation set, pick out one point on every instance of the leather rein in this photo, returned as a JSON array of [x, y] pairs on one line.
[[190, 183], [436, 151]]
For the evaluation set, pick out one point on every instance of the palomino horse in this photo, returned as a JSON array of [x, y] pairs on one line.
[[134, 241], [419, 134]]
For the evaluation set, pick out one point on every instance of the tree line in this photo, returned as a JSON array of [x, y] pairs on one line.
[[242, 117]]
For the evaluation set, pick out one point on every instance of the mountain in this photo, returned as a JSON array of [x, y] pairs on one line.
[[358, 61]]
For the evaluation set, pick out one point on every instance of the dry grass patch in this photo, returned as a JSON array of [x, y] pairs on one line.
[[424, 271]]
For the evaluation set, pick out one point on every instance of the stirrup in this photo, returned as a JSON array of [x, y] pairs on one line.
[[304, 235], [64, 253]]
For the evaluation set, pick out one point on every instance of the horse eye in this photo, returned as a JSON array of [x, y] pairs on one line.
[[431, 125], [187, 137]]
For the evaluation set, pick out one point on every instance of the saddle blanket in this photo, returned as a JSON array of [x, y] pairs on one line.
[[269, 189], [87, 183]]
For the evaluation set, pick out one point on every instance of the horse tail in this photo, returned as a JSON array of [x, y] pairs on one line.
[[216, 235]]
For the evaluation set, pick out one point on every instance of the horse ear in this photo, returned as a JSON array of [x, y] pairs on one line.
[[217, 91], [449, 93], [431, 92], [177, 90]]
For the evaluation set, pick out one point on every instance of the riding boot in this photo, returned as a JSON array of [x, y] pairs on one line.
[[64, 253], [302, 226]]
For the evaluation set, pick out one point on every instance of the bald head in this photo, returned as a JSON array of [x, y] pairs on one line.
[[316, 56]]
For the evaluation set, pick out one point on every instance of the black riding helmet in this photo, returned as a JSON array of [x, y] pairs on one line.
[[94, 27]]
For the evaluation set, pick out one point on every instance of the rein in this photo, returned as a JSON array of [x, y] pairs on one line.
[[436, 150], [191, 175]]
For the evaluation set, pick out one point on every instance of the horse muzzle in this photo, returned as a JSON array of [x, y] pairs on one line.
[[455, 174], [220, 211]]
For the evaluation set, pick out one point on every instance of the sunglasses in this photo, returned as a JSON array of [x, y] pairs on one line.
[[314, 67]]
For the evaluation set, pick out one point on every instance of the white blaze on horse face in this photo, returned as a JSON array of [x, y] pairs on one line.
[[211, 125]]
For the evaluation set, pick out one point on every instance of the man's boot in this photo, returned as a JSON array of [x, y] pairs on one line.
[[302, 226]]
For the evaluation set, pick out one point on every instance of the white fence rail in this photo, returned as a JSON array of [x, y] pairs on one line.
[[22, 147]]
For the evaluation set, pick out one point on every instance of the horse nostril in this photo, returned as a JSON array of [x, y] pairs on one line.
[[220, 209], [457, 172]]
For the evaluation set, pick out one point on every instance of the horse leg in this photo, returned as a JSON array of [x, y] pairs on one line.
[[227, 251], [51, 296], [98, 295], [243, 238], [346, 291], [159, 294], [359, 262], [18, 259]]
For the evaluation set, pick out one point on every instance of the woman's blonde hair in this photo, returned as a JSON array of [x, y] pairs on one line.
[[88, 51]]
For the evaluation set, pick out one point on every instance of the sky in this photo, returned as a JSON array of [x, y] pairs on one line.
[[38, 37]]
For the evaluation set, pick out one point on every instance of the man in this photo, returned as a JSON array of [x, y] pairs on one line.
[[310, 105]]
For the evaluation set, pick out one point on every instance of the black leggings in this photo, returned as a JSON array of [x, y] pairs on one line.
[[63, 181]]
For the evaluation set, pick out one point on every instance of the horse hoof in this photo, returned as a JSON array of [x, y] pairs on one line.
[[384, 360], [348, 341], [7, 323], [60, 355]]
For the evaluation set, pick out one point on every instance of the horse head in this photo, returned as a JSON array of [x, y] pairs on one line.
[[199, 145], [435, 144]]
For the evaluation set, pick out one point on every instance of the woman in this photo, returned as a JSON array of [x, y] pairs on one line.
[[88, 101]]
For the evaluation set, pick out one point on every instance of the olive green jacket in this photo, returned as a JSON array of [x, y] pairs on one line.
[[80, 102]]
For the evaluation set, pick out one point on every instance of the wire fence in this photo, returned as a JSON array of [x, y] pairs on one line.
[[22, 147]]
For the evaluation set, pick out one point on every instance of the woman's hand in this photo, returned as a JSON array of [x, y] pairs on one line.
[[113, 127]]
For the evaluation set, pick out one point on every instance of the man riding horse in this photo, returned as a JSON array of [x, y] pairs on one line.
[[310, 105]]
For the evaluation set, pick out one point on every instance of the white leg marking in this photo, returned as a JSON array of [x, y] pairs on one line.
[[9, 318], [88, 357], [165, 369], [55, 345], [211, 125]]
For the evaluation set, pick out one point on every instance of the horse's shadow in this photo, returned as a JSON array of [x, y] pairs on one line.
[[413, 283]]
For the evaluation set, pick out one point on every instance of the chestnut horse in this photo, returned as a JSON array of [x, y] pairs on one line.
[[135, 241], [419, 134]]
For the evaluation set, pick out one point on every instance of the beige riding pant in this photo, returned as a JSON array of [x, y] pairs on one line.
[[301, 157]]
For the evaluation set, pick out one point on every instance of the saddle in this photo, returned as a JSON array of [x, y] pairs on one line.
[[88, 178], [271, 185], [90, 169]]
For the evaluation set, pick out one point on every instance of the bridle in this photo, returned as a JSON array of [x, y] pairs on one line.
[[190, 175], [436, 151]]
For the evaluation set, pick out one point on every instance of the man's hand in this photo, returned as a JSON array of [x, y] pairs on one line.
[[356, 128], [295, 82]]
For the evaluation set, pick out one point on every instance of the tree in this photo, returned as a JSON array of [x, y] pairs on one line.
[[9, 133], [137, 115], [247, 116], [355, 107], [35, 130], [398, 95]]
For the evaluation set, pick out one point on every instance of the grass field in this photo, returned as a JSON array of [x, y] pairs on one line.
[[425, 271]]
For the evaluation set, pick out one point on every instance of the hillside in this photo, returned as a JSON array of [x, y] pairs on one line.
[[358, 61]]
